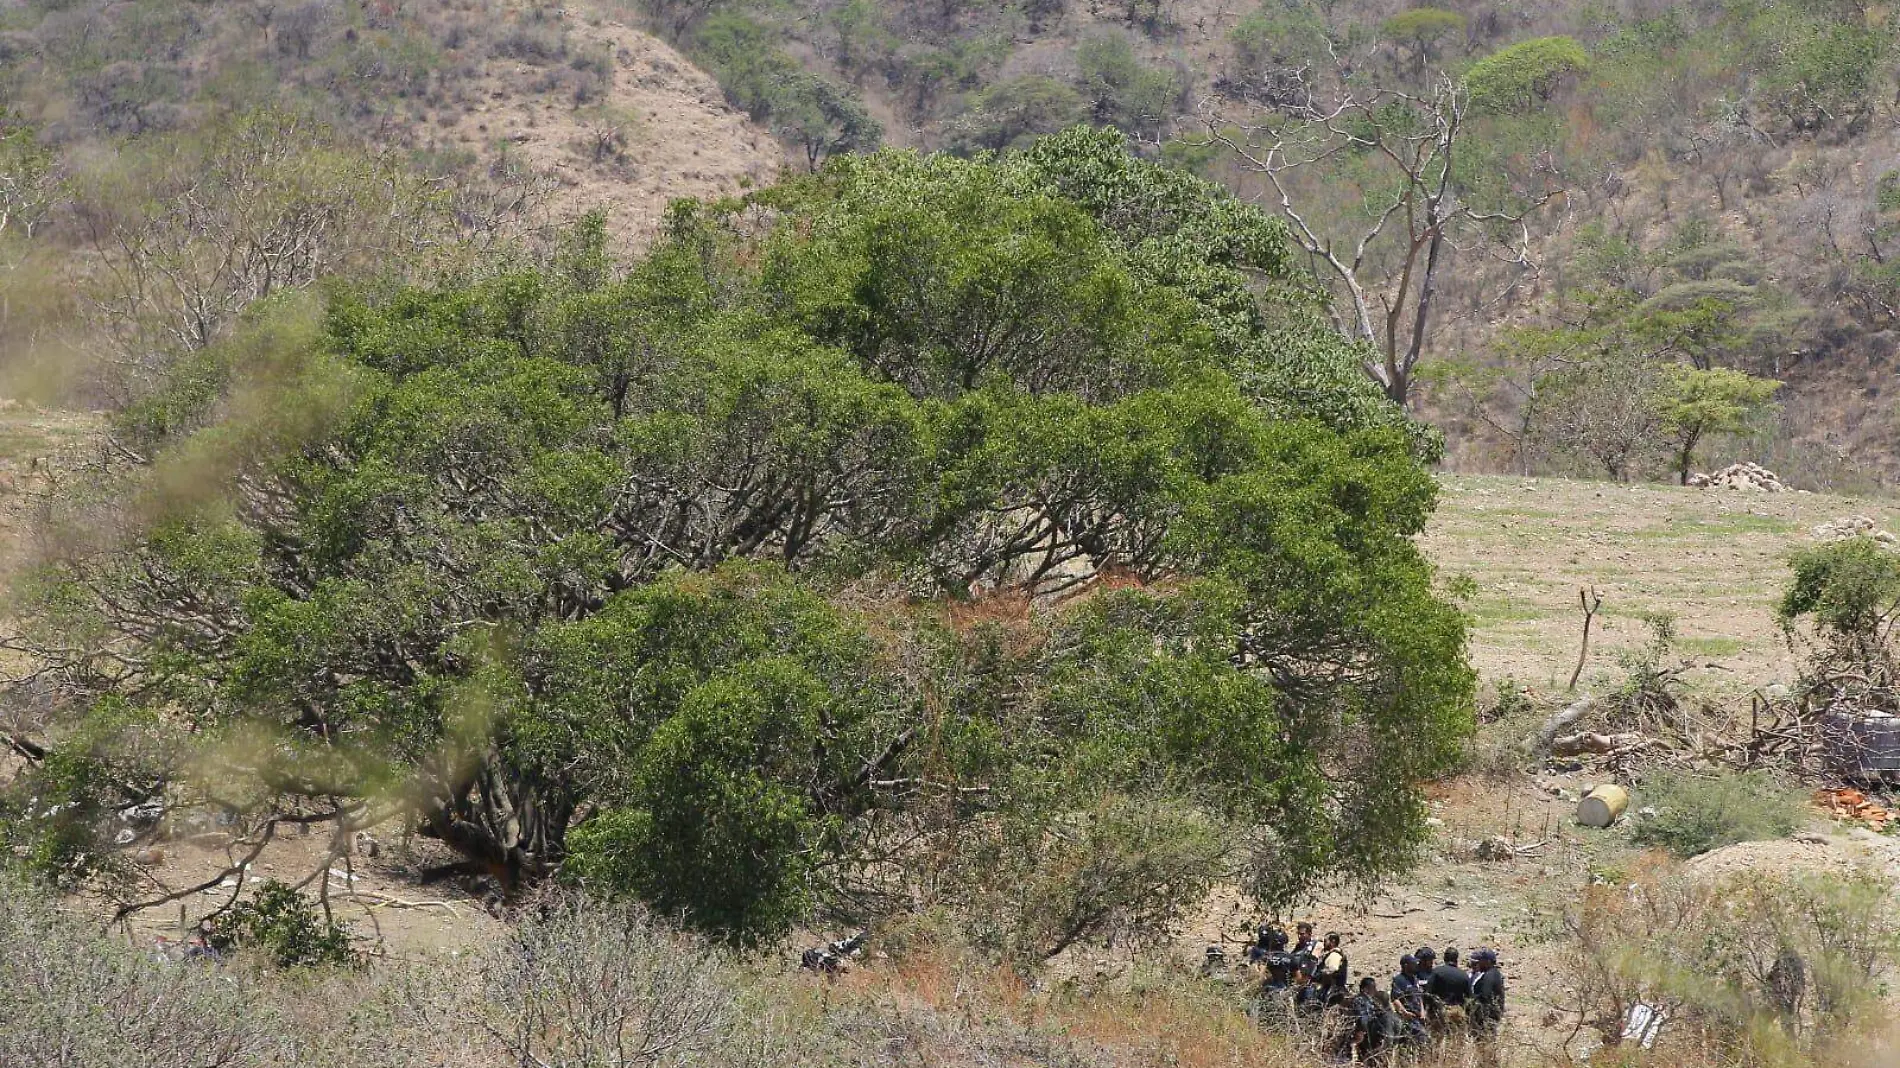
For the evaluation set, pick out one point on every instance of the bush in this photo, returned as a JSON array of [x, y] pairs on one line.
[[1422, 28], [1121, 90], [1009, 113], [281, 924], [1694, 815], [72, 996], [579, 980], [1523, 75], [1756, 968], [1850, 588], [1276, 34]]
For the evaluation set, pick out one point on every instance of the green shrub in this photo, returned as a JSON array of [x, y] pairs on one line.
[[1519, 77], [1122, 91], [281, 924], [1276, 34], [1693, 815], [1850, 587], [1424, 30], [1010, 113]]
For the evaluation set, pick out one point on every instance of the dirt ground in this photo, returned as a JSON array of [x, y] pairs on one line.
[[1715, 560], [381, 899]]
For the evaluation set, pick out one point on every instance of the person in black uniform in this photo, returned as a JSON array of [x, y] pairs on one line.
[[1376, 1029], [1262, 942], [1486, 1011], [1273, 959], [1446, 987], [1308, 997], [1408, 997], [1305, 948]]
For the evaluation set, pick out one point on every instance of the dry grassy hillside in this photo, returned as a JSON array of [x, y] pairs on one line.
[[659, 131], [1715, 561], [570, 100]]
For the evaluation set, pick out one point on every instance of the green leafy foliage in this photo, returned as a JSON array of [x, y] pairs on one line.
[[284, 926], [1519, 77], [1121, 91], [818, 115], [1694, 814], [1013, 112], [1849, 587], [1276, 34], [1423, 29], [649, 575], [1696, 403]]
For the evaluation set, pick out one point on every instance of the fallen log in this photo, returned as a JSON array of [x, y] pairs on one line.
[[1538, 744], [1588, 742]]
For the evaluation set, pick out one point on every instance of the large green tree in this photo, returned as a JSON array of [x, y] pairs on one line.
[[662, 577]]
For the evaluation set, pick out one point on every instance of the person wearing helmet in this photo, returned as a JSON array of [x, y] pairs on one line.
[[1270, 955]]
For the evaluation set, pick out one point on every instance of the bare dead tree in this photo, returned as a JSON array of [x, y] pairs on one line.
[[1591, 601], [1387, 261]]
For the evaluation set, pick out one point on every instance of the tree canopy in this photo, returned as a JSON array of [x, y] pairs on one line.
[[867, 531]]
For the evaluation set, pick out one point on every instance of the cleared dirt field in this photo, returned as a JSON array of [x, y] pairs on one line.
[[1716, 560]]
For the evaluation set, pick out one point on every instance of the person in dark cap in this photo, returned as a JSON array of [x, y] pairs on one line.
[[1408, 997], [1333, 972], [1447, 987], [1486, 1011]]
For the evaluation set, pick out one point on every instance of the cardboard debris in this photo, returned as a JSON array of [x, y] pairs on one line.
[[1850, 804]]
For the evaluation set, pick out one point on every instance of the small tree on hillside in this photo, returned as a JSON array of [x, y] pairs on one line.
[[1694, 404], [1602, 406], [1423, 31], [822, 118]]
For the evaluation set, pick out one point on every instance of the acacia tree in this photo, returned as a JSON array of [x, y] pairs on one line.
[[649, 578], [30, 185], [1380, 197], [1697, 403]]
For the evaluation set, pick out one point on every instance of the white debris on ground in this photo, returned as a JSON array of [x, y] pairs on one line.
[[1854, 526], [1741, 476]]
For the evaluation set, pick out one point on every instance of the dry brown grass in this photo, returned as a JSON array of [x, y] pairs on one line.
[[1715, 560]]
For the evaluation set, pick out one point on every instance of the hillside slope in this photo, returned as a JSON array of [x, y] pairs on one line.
[[603, 114]]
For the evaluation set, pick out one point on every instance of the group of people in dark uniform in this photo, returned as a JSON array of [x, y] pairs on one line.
[[1426, 999]]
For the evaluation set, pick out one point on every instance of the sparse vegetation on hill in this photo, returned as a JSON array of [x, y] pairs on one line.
[[1699, 161]]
